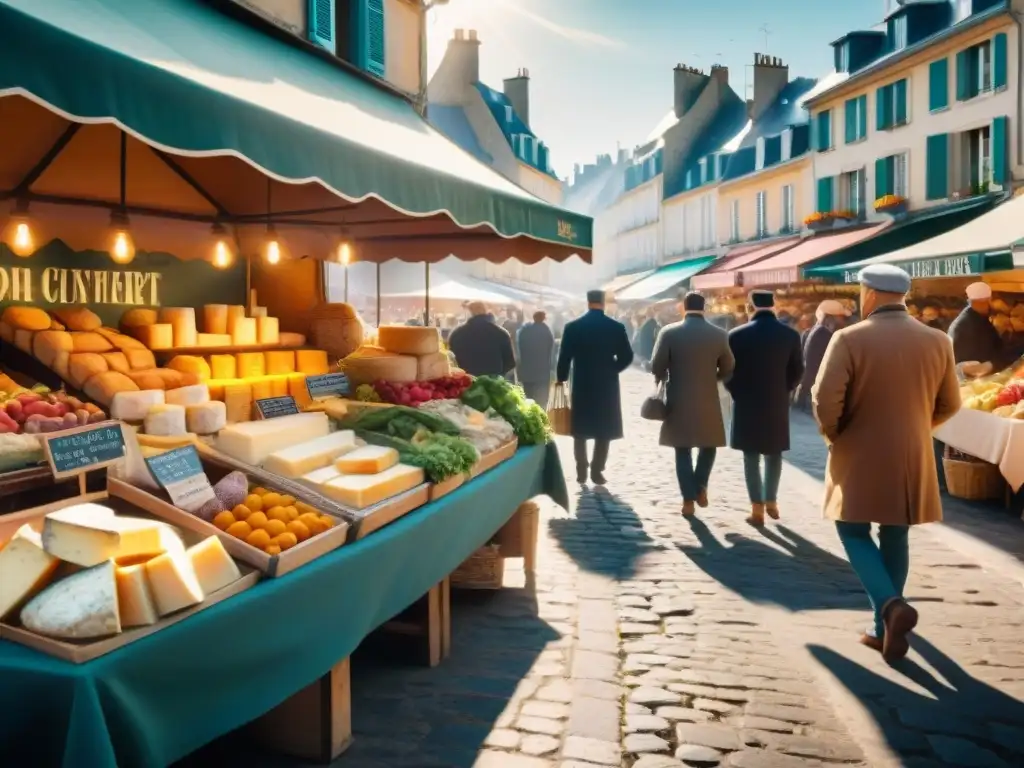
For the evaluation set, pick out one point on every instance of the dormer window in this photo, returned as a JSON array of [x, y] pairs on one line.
[[508, 114], [964, 8], [703, 170], [759, 154], [842, 54], [898, 32], [787, 144]]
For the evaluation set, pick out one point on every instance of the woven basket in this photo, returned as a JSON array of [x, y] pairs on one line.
[[484, 569], [973, 480], [510, 538]]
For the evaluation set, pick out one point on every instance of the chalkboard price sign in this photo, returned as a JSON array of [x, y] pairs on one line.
[[75, 451], [327, 385], [180, 473], [272, 407]]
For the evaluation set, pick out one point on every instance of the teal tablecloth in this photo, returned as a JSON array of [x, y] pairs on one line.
[[160, 698]]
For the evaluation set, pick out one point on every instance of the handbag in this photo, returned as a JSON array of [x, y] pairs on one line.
[[654, 407], [560, 413]]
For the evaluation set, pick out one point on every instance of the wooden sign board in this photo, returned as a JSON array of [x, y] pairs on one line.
[[83, 449], [181, 474]]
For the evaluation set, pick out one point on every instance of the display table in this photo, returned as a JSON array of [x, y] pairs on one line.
[[156, 700], [990, 438]]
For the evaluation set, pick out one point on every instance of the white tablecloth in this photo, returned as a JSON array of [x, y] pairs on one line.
[[990, 438]]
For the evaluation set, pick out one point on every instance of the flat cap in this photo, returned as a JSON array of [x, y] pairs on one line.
[[762, 299], [885, 278]]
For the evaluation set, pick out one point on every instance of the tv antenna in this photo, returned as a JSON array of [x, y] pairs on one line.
[[766, 31]]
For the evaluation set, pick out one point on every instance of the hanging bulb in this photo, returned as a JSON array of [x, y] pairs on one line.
[[345, 253], [273, 247], [18, 233], [223, 248], [122, 245]]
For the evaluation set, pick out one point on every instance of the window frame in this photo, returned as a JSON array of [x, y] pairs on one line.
[[984, 67], [734, 220], [761, 213], [854, 191], [788, 208], [901, 180]]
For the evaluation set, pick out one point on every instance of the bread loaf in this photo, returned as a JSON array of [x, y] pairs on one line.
[[136, 317], [85, 365], [78, 318], [140, 359], [6, 332], [117, 361], [103, 386], [46, 345], [23, 339], [26, 318], [90, 342], [119, 340], [147, 379], [190, 364]]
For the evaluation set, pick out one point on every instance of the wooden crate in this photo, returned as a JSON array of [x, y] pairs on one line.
[[490, 460]]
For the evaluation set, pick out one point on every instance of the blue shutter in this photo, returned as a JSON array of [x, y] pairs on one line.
[[883, 107], [1000, 138], [825, 194], [884, 173], [937, 167], [963, 76], [824, 137], [999, 61], [900, 97], [368, 35], [862, 118], [850, 116], [320, 24], [938, 84]]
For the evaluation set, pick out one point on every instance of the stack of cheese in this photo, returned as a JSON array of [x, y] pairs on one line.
[[364, 477], [170, 413], [252, 442], [100, 362], [135, 571], [223, 325], [402, 354]]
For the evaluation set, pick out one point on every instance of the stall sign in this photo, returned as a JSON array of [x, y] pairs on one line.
[[272, 407], [955, 266], [55, 286], [82, 449], [180, 473], [327, 385], [772, 277]]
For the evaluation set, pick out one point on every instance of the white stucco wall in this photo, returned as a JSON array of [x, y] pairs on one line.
[[635, 227], [688, 224]]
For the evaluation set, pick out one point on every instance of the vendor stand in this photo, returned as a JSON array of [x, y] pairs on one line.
[[292, 159]]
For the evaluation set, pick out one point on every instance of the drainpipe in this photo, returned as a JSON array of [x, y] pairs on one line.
[[1020, 88], [421, 95]]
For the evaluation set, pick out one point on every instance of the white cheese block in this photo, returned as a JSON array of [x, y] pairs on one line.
[[81, 606], [134, 597], [321, 476], [252, 441], [206, 418], [25, 568], [165, 420], [174, 582], [133, 406], [194, 394], [305, 457], [213, 566], [88, 534], [361, 491]]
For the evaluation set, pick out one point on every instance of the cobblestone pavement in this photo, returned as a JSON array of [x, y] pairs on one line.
[[654, 641]]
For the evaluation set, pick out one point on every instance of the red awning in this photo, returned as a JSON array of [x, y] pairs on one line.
[[725, 273], [785, 267]]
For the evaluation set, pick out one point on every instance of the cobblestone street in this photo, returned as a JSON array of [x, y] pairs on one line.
[[656, 642]]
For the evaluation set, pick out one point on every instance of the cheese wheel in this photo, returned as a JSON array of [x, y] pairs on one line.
[[26, 318], [190, 364], [267, 330], [279, 362], [84, 365], [311, 362], [103, 386], [133, 406], [215, 318], [244, 331], [46, 345], [117, 361], [165, 420], [236, 312], [287, 339], [158, 336], [195, 394], [78, 318], [133, 318], [206, 418], [183, 325], [140, 359], [432, 366], [90, 342], [250, 364], [409, 340]]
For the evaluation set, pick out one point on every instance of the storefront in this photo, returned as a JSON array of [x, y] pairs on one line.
[[663, 281]]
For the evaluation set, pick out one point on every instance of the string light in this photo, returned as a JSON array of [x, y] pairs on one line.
[[18, 233], [223, 248], [273, 247], [122, 245], [345, 253]]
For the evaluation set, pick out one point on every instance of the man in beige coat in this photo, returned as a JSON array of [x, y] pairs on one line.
[[883, 386]]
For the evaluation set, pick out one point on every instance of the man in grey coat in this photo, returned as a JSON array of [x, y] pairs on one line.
[[536, 344], [693, 356]]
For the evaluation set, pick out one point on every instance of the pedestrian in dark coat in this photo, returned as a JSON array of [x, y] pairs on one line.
[[769, 365], [646, 337], [481, 346], [536, 345], [595, 349], [830, 316], [974, 337]]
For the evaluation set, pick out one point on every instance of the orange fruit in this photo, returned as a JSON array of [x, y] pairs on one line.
[[259, 491], [272, 549], [241, 512], [286, 540], [223, 520], [286, 500], [303, 507], [299, 529], [258, 538], [293, 513], [327, 520], [254, 502], [316, 526], [309, 519], [239, 530], [278, 513], [257, 520], [274, 527], [271, 500]]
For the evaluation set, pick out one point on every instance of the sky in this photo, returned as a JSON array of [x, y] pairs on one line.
[[601, 70]]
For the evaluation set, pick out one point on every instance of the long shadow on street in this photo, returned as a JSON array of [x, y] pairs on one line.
[[957, 719], [794, 574]]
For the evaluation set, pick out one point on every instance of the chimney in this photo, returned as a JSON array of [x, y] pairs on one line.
[[688, 82], [770, 77], [720, 74], [517, 91], [462, 59]]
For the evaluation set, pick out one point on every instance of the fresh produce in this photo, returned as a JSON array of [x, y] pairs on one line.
[[486, 431], [440, 456], [1011, 394], [415, 393], [17, 451], [37, 410], [379, 419], [527, 418], [367, 394], [271, 521]]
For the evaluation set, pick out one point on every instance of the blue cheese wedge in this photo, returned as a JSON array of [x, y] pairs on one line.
[[82, 606], [89, 534]]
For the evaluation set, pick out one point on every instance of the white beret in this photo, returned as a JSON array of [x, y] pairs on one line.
[[885, 278], [977, 291]]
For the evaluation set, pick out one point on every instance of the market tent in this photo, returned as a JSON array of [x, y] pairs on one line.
[[725, 272], [229, 123], [663, 279], [621, 281], [452, 289], [984, 244], [786, 267]]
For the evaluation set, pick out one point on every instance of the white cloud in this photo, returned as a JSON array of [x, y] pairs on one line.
[[573, 34]]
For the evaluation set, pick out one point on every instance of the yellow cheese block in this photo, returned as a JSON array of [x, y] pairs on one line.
[[236, 312], [244, 332], [301, 459], [174, 582], [279, 362], [238, 399], [223, 367], [278, 386], [267, 330], [212, 565], [135, 604], [368, 460], [88, 534], [183, 324], [253, 441], [311, 362], [297, 389], [156, 336], [261, 388], [191, 364], [216, 387], [213, 340], [291, 339], [250, 364], [433, 366], [361, 491], [166, 441], [409, 340], [25, 568], [215, 319]]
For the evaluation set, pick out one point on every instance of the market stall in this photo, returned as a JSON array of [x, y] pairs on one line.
[[662, 281]]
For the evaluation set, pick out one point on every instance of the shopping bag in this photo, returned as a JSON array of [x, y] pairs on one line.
[[560, 414], [654, 407]]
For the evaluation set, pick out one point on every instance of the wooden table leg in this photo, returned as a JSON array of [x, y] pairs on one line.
[[429, 619], [314, 724]]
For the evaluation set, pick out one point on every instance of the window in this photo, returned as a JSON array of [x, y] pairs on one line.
[[706, 236], [734, 222], [898, 33], [976, 168], [891, 176], [900, 183], [762, 215], [891, 105], [823, 131], [759, 153], [703, 170], [856, 116], [984, 67], [787, 144], [853, 192], [842, 57], [508, 114], [788, 209], [976, 71], [963, 9]]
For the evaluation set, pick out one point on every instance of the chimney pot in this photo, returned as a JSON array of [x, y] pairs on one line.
[[460, 34], [472, 34]]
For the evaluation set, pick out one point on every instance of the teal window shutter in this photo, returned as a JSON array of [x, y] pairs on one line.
[[825, 194], [850, 115], [862, 117], [900, 99], [937, 167], [883, 107], [999, 144], [938, 84], [375, 37], [999, 61], [824, 125], [883, 185], [963, 76], [320, 24]]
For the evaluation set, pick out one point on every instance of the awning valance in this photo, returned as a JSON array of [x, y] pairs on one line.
[[725, 272], [220, 108], [664, 279], [621, 281], [787, 267]]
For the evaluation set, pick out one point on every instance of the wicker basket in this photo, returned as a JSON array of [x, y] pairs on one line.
[[973, 480], [484, 569], [511, 536]]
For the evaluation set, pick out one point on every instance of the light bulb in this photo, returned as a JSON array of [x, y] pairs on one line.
[[122, 246], [273, 252], [18, 233], [345, 253], [223, 248]]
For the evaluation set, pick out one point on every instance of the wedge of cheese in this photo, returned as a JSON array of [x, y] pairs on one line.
[[212, 565], [81, 606], [87, 534], [303, 458], [25, 568], [361, 491], [320, 476], [135, 603], [174, 582], [368, 460], [253, 441]]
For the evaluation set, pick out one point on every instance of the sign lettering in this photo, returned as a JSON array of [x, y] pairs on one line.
[[56, 285], [75, 451], [327, 385], [180, 473], [566, 231], [272, 407], [955, 266]]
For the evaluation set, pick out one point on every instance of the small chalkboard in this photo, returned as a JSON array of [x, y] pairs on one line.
[[181, 474], [272, 407], [327, 385], [79, 450]]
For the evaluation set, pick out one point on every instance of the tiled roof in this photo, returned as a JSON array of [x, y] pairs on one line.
[[510, 123], [453, 123], [786, 111], [597, 193], [729, 122]]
